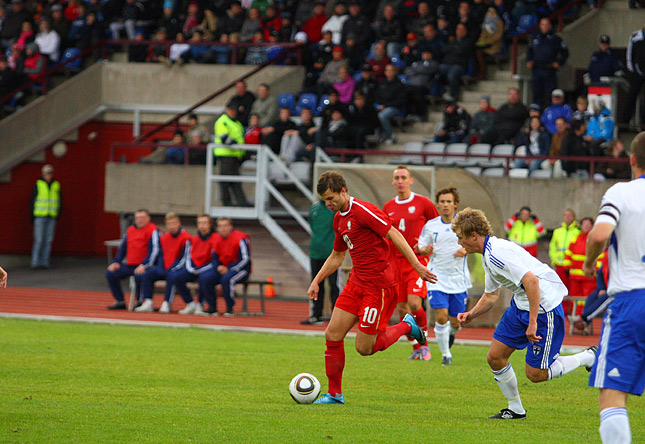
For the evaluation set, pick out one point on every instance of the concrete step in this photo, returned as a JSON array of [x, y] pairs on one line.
[[504, 75], [496, 98], [492, 86]]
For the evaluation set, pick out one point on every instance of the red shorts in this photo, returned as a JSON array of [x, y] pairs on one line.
[[373, 306], [411, 283]]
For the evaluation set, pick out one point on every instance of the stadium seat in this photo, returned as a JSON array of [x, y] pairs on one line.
[[274, 52], [477, 171], [403, 79], [397, 61], [481, 150], [453, 148], [518, 173], [248, 167], [493, 172], [357, 76], [69, 54], [302, 170], [505, 149], [541, 174], [322, 104], [307, 100], [287, 100], [525, 22], [436, 150], [409, 159]]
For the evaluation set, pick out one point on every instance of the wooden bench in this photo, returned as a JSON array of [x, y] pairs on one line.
[[194, 288]]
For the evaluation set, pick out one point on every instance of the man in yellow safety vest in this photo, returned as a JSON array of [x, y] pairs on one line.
[[45, 209], [560, 241]]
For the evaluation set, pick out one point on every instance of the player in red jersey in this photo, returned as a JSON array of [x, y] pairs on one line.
[[409, 212], [370, 295]]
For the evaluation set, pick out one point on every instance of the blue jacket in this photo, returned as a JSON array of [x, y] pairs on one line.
[[545, 49], [552, 112], [601, 126], [604, 64]]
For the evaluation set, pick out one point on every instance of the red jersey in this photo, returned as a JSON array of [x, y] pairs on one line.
[[136, 244], [172, 247], [409, 216], [233, 251], [362, 229], [201, 250]]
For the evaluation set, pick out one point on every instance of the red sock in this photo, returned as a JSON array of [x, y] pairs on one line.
[[420, 317], [334, 365], [388, 337]]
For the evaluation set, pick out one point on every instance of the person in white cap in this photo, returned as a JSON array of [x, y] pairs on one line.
[[45, 209]]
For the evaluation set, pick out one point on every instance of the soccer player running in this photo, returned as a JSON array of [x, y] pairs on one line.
[[535, 318], [448, 295], [370, 296], [408, 212], [619, 368]]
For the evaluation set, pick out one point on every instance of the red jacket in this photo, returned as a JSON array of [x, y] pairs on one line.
[[233, 251], [201, 251], [313, 28], [575, 255], [138, 245], [172, 247]]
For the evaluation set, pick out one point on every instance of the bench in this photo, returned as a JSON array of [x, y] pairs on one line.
[[111, 245], [194, 288]]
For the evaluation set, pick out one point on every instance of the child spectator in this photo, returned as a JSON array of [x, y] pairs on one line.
[[582, 110], [536, 143], [454, 125], [253, 132], [138, 52], [26, 35], [367, 84], [270, 22], [178, 49], [158, 50], [250, 26], [193, 19], [483, 120], [176, 153]]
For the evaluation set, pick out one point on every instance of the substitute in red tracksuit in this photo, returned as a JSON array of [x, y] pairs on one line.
[[139, 249], [174, 246], [200, 265], [233, 255]]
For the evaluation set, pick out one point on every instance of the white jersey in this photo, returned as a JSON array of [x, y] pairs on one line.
[[623, 206], [506, 263], [452, 272]]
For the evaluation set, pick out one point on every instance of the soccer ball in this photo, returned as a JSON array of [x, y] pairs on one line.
[[304, 388]]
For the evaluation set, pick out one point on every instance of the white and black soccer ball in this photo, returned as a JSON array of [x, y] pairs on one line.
[[304, 388]]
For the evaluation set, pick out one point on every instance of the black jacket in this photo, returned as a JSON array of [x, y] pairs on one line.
[[390, 94]]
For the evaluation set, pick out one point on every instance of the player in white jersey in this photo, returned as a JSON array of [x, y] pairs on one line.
[[621, 353], [535, 318], [448, 261]]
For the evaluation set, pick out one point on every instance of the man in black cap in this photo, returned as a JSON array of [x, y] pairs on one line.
[[604, 62], [367, 83], [358, 26], [545, 55]]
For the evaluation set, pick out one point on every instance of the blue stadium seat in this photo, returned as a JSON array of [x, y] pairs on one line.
[[357, 76], [525, 22], [397, 61], [68, 54], [322, 104], [287, 100], [274, 52], [307, 100]]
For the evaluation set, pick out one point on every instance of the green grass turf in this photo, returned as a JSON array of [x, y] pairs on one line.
[[80, 383]]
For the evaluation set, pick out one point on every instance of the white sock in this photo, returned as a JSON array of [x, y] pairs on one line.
[[507, 382], [614, 426], [565, 364], [442, 331]]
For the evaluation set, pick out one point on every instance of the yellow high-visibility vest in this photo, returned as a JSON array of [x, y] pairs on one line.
[[47, 203]]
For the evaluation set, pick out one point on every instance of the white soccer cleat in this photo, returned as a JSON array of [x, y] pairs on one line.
[[145, 307], [165, 307], [188, 309], [199, 310]]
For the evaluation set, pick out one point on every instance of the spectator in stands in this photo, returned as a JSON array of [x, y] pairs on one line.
[[389, 99], [12, 24], [45, 204], [367, 84], [157, 52], [209, 23], [59, 23], [391, 31], [265, 106], [336, 21], [139, 247], [478, 11], [313, 26], [126, 20], [604, 62], [272, 134], [490, 42], [72, 10], [288, 29], [200, 265], [431, 41], [504, 12], [253, 132], [545, 55], [508, 120], [345, 85], [305, 10], [26, 35], [562, 237], [454, 64], [33, 62], [91, 33], [600, 128], [424, 17], [250, 26], [232, 255], [229, 131], [582, 110], [329, 74], [614, 170], [353, 53], [243, 101], [193, 18], [170, 22], [555, 165], [358, 26], [573, 144], [333, 135], [270, 22], [362, 119], [420, 75], [233, 20], [579, 284], [411, 52], [138, 51], [379, 61], [176, 153], [302, 137], [524, 228], [537, 142], [179, 49], [558, 108], [455, 124], [445, 30], [483, 120], [76, 25], [172, 254], [334, 105], [465, 18], [8, 78]]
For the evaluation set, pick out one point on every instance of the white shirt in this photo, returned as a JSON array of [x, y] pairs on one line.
[[506, 263], [623, 206], [452, 272], [49, 44], [335, 25]]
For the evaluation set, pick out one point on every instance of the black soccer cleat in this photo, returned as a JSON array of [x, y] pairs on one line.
[[508, 414], [451, 339], [593, 349]]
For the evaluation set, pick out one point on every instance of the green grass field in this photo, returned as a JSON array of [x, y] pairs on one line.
[[79, 383]]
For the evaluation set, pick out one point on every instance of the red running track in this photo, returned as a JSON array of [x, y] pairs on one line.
[[281, 315]]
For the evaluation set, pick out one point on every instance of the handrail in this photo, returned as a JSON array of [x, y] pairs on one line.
[[557, 13], [151, 145]]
